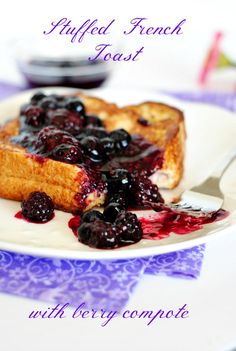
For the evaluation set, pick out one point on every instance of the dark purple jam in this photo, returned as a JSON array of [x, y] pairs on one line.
[[140, 155], [153, 227], [117, 165], [74, 224], [57, 127], [93, 79], [159, 225]]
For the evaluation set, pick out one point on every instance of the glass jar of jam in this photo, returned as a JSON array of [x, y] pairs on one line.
[[45, 64]]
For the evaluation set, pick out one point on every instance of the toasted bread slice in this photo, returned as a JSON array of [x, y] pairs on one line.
[[70, 186], [167, 131]]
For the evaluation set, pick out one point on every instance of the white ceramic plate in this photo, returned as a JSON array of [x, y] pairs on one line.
[[211, 135]]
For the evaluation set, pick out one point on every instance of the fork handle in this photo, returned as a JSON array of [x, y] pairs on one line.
[[219, 172]]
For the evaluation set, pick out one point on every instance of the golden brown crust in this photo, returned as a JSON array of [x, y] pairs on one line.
[[166, 131], [98, 107], [21, 173]]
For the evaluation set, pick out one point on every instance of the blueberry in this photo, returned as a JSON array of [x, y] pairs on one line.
[[93, 148], [38, 207], [144, 191], [121, 139], [93, 121], [84, 233], [91, 216], [111, 211], [37, 97], [74, 104], [108, 146], [144, 122], [48, 103]]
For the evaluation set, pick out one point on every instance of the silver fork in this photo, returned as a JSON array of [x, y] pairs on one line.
[[206, 197]]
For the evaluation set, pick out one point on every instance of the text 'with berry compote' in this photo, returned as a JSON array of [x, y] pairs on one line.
[[104, 316]]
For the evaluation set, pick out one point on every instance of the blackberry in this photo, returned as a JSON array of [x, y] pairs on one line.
[[34, 116], [98, 234], [103, 235], [144, 191], [50, 137], [38, 207], [67, 153], [128, 228], [68, 121]]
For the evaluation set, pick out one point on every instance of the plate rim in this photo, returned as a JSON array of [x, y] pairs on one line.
[[117, 253]]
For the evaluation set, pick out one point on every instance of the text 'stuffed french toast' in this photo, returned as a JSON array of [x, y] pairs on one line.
[[76, 186]]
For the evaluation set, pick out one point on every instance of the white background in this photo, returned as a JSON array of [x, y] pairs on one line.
[[168, 63]]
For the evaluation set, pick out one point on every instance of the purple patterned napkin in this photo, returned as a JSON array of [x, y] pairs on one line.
[[102, 284], [181, 264], [106, 284]]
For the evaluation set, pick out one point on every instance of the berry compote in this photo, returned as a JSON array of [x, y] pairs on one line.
[[117, 163]]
